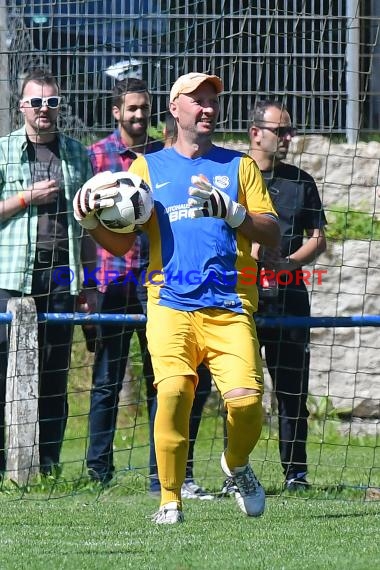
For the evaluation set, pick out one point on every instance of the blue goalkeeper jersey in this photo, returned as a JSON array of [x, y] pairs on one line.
[[203, 262]]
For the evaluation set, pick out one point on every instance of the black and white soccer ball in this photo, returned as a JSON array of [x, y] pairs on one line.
[[133, 204]]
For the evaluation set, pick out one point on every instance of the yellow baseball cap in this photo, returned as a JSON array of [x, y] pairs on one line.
[[191, 81]]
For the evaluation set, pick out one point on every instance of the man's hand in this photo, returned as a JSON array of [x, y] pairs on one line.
[[206, 200], [90, 298], [272, 259], [87, 303], [95, 194], [42, 192], [256, 251]]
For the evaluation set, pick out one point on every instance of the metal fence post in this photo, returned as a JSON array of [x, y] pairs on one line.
[[21, 410]]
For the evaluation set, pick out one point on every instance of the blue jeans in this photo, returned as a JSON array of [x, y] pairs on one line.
[[54, 343], [108, 373]]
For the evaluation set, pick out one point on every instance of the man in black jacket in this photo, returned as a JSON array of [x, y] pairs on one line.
[[297, 202]]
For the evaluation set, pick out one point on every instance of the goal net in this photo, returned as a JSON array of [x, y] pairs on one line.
[[319, 58]]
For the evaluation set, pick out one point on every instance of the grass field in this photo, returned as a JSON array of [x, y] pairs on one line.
[[106, 532], [69, 523]]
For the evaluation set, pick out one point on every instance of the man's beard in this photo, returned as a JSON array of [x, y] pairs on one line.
[[140, 131]]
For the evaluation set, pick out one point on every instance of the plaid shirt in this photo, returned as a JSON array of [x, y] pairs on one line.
[[18, 234], [111, 153]]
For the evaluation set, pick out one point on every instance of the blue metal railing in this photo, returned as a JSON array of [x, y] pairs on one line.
[[268, 321]]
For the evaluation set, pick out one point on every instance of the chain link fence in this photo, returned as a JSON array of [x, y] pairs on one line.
[[294, 50]]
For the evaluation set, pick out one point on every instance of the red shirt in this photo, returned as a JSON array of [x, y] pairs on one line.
[[112, 153]]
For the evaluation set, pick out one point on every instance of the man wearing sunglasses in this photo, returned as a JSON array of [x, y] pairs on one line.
[[297, 202], [40, 171]]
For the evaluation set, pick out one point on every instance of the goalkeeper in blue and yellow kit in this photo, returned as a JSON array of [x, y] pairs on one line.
[[210, 204]]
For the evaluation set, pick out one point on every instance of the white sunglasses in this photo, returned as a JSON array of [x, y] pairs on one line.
[[36, 102]]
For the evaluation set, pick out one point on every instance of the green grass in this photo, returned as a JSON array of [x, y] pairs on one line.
[[116, 533], [70, 523]]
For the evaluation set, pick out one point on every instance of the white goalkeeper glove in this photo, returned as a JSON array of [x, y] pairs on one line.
[[95, 194], [206, 200]]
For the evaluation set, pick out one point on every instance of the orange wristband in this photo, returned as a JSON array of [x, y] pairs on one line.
[[21, 199]]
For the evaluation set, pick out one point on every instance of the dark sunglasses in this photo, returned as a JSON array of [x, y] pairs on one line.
[[281, 131], [36, 102]]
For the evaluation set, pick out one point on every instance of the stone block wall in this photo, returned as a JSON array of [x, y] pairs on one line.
[[345, 362]]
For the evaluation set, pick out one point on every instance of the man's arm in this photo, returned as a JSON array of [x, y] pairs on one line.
[[311, 249], [314, 220], [115, 243], [261, 228], [11, 206], [43, 192], [306, 254]]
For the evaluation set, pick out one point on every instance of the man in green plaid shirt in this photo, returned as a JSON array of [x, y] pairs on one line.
[[40, 247]]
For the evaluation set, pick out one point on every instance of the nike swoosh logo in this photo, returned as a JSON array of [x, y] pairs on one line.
[[161, 185]]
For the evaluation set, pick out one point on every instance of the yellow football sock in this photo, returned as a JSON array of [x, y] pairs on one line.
[[244, 422], [171, 434]]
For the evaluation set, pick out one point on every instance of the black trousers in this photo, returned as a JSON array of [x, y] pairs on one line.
[[288, 361], [54, 343]]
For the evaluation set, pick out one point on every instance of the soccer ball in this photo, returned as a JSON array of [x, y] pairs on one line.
[[133, 204]]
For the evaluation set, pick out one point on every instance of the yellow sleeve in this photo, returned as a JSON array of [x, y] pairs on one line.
[[253, 193], [140, 167]]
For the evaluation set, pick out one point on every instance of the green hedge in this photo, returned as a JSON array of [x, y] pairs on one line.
[[352, 224]]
